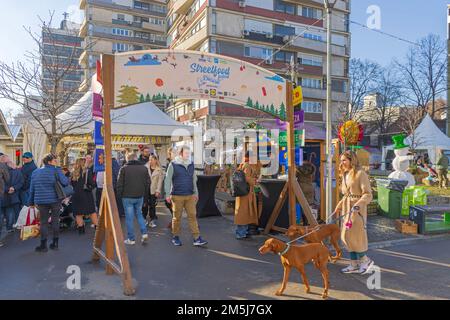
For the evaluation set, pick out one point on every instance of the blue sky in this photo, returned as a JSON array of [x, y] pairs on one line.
[[409, 19]]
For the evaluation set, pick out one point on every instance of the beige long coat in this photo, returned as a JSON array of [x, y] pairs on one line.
[[246, 207], [356, 191], [157, 178]]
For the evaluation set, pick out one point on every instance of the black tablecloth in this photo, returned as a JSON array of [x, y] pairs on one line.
[[271, 189], [206, 205]]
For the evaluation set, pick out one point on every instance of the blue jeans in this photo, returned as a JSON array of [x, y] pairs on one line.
[[241, 231], [133, 208], [12, 214]]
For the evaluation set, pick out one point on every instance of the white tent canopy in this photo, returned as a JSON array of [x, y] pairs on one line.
[[427, 136], [140, 119]]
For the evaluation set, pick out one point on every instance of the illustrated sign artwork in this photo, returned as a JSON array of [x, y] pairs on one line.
[[97, 114], [157, 75]]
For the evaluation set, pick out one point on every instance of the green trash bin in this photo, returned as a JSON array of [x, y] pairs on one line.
[[390, 197], [407, 200]]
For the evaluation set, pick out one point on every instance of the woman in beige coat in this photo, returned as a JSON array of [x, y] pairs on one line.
[[246, 209], [157, 177], [357, 194]]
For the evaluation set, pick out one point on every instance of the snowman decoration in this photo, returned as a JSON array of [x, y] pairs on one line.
[[401, 161]]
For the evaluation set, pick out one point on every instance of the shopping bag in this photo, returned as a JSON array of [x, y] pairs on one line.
[[28, 232], [31, 228], [23, 215]]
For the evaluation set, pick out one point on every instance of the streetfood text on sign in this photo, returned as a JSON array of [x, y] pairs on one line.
[[159, 75]]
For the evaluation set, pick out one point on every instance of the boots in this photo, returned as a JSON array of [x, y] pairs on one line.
[[54, 244], [81, 229], [42, 247]]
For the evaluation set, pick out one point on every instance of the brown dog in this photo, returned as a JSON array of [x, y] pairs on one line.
[[297, 256], [326, 230]]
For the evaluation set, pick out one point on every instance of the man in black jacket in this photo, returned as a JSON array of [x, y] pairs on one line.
[[133, 184], [27, 169]]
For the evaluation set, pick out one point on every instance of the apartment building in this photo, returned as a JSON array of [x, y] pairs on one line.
[[61, 49], [113, 26], [253, 31]]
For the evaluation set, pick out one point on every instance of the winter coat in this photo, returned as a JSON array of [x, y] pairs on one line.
[[157, 179], [246, 207], [133, 181], [16, 181], [442, 163], [356, 192], [43, 182], [4, 178], [27, 170]]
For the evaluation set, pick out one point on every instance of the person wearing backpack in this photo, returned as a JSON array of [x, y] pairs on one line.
[[246, 209]]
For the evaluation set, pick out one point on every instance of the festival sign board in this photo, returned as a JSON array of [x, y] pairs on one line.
[[158, 75]]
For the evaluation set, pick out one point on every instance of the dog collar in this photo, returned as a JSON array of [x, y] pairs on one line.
[[288, 246]]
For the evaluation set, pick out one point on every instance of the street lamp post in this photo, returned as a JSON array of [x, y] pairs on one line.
[[328, 191]]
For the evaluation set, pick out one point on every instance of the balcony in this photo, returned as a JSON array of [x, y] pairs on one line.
[[194, 40], [130, 10], [181, 6], [320, 46], [154, 27], [127, 23], [83, 29], [321, 94], [116, 37], [255, 36]]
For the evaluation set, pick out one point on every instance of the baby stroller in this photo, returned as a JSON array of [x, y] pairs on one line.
[[66, 219]]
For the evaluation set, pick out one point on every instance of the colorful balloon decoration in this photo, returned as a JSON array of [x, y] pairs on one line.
[[350, 133]]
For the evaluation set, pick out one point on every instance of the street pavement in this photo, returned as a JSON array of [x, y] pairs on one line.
[[225, 269]]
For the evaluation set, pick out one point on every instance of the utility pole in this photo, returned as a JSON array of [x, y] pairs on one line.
[[293, 70], [328, 191]]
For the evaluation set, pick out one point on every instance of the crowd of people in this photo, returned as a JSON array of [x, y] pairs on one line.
[[141, 181], [138, 183]]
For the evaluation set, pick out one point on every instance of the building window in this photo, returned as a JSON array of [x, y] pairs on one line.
[[312, 106], [310, 60], [121, 17], [282, 6], [347, 22], [213, 22], [284, 30], [312, 83], [312, 36], [122, 32], [312, 13], [283, 56], [339, 86], [258, 52], [120, 47]]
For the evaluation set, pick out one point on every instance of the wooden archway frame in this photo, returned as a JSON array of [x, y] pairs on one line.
[[109, 227]]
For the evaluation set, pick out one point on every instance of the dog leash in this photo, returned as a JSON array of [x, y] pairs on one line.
[[320, 226]]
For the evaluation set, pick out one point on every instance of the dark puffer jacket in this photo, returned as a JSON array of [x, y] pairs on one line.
[[133, 181]]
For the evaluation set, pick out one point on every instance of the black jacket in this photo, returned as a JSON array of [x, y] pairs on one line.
[[27, 170], [133, 181]]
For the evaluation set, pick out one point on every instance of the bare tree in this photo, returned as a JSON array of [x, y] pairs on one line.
[[363, 80], [36, 85], [386, 113], [423, 74], [409, 120]]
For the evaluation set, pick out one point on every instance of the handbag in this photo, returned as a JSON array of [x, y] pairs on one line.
[[87, 187], [30, 229], [62, 192], [240, 187]]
